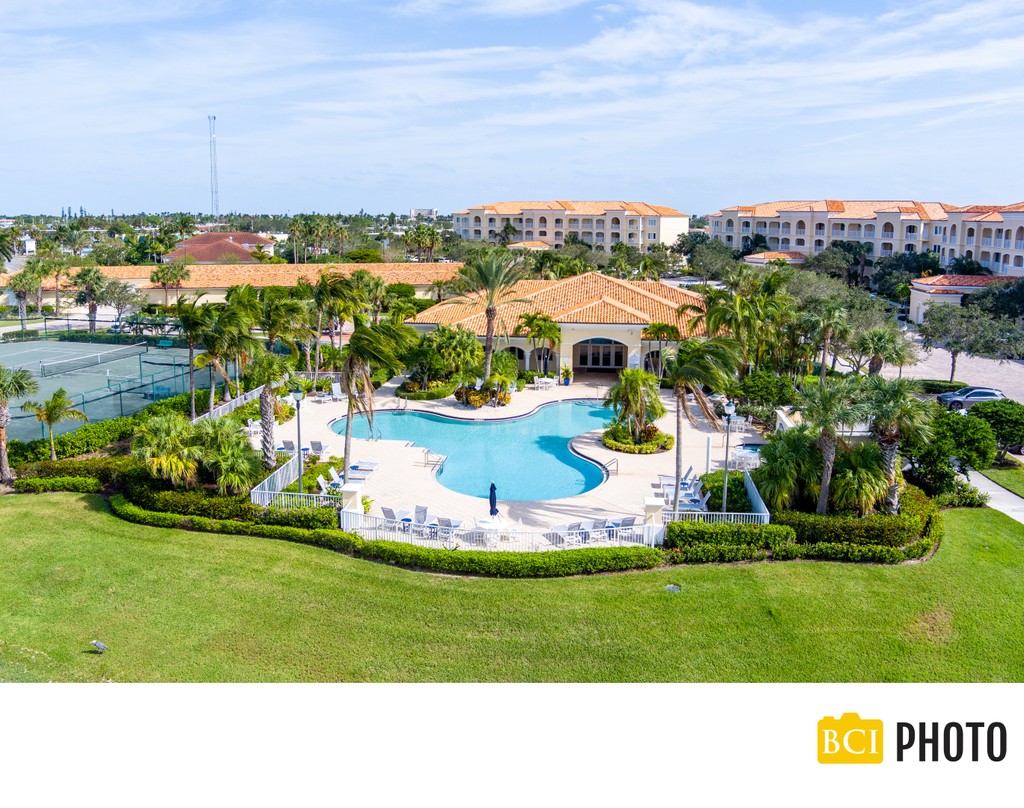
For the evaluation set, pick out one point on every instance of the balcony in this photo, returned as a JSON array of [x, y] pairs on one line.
[[1006, 243], [762, 230], [838, 233], [730, 229], [970, 241], [1018, 245], [800, 231], [986, 242], [885, 253], [910, 237]]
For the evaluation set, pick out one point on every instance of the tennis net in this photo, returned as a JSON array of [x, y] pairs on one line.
[[79, 362]]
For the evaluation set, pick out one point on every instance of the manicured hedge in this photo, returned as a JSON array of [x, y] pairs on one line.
[[473, 562], [685, 534], [715, 553], [108, 470], [714, 482], [936, 386], [106, 338], [428, 395], [76, 485]]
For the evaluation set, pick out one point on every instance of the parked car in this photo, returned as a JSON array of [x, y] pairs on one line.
[[967, 397]]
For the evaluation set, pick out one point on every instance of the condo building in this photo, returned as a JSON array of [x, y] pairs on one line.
[[600, 225], [993, 235]]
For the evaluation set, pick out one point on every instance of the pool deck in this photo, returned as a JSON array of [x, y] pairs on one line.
[[404, 480]]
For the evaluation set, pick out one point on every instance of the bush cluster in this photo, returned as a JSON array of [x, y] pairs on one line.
[[706, 542], [937, 386], [738, 502], [108, 470], [106, 338], [412, 391], [77, 485], [618, 439], [963, 495], [506, 565]]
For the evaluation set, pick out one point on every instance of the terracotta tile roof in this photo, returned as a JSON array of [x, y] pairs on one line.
[[222, 276], [1016, 208], [587, 298], [214, 252], [932, 282], [842, 208], [993, 216], [578, 208], [235, 237]]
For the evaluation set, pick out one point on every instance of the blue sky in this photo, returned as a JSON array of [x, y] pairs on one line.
[[333, 106]]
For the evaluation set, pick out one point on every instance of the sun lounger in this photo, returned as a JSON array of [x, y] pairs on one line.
[[326, 487], [336, 394], [393, 520], [319, 449]]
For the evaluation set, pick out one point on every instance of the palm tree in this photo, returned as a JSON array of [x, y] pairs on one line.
[[227, 454], [368, 347], [533, 325], [373, 289], [59, 269], [328, 290], [167, 445], [492, 275], [55, 410], [192, 318], [828, 323], [636, 401], [828, 405], [859, 481], [223, 328], [859, 252], [167, 275], [790, 469], [507, 234], [23, 284], [880, 345], [90, 283], [280, 318], [6, 245], [13, 384], [267, 369], [895, 414], [694, 363], [662, 333]]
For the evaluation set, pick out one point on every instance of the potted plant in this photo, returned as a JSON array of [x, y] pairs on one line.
[[566, 374]]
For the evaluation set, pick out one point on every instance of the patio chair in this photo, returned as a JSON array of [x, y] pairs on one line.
[[336, 394], [445, 526], [475, 538], [319, 449], [599, 529], [326, 487], [421, 526], [628, 529], [556, 535], [575, 534], [287, 446], [694, 505], [365, 465], [395, 520]]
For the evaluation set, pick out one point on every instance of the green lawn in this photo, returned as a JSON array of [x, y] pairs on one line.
[[179, 606], [1010, 477]]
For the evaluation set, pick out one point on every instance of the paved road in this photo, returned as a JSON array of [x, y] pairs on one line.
[[1006, 376]]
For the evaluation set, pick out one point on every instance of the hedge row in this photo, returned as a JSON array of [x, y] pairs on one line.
[[715, 553], [76, 485], [936, 386], [428, 395], [92, 437], [686, 534], [108, 470], [471, 562], [106, 338]]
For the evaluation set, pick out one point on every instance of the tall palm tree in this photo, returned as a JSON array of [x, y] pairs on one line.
[[281, 318], [828, 405], [530, 323], [697, 362], [227, 453], [13, 384], [60, 270], [879, 345], [827, 323], [328, 290], [660, 333], [90, 283], [636, 401], [23, 284], [167, 445], [169, 275], [373, 290], [368, 347], [223, 327], [790, 470], [267, 369], [736, 316], [6, 245], [55, 410], [192, 318], [492, 275], [895, 413]]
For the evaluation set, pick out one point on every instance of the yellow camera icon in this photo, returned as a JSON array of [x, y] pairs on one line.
[[849, 739]]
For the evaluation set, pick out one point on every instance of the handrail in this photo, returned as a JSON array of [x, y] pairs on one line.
[[609, 465]]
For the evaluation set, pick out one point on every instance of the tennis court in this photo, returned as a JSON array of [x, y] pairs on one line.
[[104, 381]]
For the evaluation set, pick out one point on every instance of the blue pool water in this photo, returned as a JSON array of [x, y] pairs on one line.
[[528, 458]]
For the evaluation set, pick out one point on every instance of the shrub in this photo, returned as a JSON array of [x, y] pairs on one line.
[[119, 339], [963, 495], [1006, 417], [738, 502], [417, 394], [879, 529], [618, 439], [715, 553], [78, 485], [685, 534], [768, 390], [936, 386], [108, 470]]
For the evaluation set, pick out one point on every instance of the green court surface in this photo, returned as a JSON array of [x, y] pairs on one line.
[[105, 381]]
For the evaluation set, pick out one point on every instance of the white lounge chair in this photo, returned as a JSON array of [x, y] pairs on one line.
[[336, 394], [287, 446], [445, 527], [365, 465], [319, 449], [326, 487], [423, 524], [693, 505], [396, 520]]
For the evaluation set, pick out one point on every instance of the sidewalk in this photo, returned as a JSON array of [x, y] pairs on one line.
[[1000, 499]]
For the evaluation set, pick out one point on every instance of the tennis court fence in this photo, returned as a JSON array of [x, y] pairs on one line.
[[59, 366]]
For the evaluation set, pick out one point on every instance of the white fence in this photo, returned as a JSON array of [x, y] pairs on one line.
[[759, 516], [510, 538], [269, 493], [231, 406]]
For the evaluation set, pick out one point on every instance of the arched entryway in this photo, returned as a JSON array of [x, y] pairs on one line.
[[519, 354]]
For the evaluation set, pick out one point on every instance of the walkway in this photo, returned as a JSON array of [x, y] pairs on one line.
[[999, 498]]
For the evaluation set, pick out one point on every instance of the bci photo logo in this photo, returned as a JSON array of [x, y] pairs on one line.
[[852, 739]]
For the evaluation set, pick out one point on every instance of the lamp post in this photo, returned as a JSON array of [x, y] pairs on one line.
[[730, 410], [297, 396]]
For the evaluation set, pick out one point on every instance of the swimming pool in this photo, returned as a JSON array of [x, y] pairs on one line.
[[528, 458]]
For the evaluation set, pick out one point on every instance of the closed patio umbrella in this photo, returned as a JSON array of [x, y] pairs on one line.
[[494, 499]]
